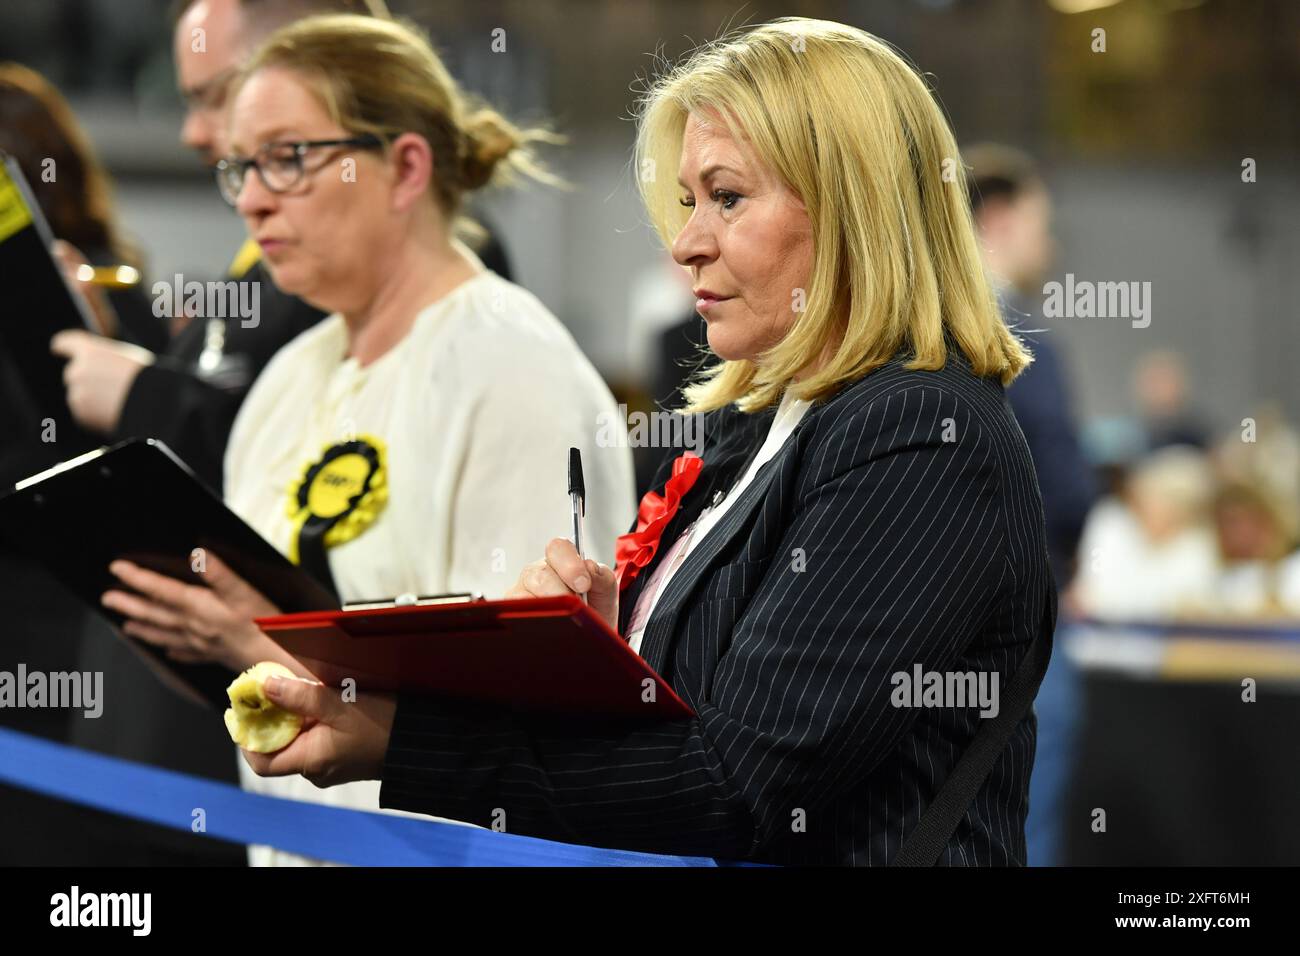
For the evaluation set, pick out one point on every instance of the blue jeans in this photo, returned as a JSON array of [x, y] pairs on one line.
[[1059, 707]]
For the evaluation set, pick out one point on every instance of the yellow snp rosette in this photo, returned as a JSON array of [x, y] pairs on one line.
[[339, 496]]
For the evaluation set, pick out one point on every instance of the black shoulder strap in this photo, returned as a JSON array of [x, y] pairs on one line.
[[939, 821]]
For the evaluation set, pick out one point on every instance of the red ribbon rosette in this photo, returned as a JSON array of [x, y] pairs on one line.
[[636, 549]]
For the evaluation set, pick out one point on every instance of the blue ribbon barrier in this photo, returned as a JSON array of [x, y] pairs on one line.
[[355, 837]]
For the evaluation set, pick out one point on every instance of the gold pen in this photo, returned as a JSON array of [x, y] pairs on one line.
[[109, 277]]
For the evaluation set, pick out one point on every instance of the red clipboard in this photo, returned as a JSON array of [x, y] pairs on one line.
[[541, 655]]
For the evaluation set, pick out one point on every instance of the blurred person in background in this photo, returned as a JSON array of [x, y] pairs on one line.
[[1165, 413], [1264, 450], [1013, 213], [1257, 515], [1257, 539], [1152, 553], [42, 622], [39, 130], [461, 391], [1013, 217]]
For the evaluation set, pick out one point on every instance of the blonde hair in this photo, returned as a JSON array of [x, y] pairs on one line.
[[854, 131], [383, 77]]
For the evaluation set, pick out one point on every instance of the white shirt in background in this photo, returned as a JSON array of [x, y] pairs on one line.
[[1123, 574], [477, 406]]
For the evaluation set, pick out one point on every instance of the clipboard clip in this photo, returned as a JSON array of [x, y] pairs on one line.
[[413, 600]]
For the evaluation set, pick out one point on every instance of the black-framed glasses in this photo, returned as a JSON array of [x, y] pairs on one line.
[[279, 165]]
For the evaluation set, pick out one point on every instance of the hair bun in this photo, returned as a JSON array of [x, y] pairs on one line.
[[489, 139]]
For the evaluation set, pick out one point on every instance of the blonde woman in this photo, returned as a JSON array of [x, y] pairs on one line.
[[416, 440], [866, 520]]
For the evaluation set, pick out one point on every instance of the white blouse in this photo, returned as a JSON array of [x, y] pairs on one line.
[[477, 407], [788, 415]]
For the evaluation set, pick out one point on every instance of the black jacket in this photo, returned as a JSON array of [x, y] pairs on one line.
[[900, 524], [192, 411]]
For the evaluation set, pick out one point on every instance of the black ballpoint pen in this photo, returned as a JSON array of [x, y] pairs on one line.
[[578, 502]]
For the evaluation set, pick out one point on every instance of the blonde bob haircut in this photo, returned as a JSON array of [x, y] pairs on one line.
[[383, 77], [853, 130]]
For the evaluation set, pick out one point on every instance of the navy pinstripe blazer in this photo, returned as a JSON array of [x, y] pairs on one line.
[[900, 524]]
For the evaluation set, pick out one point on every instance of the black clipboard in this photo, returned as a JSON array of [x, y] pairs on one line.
[[138, 501], [35, 303]]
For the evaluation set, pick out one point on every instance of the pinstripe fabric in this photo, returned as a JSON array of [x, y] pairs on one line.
[[868, 544]]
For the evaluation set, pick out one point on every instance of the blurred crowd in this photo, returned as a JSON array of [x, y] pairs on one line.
[[1154, 514], [1194, 523]]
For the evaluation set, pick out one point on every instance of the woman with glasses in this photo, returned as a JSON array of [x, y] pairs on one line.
[[415, 441]]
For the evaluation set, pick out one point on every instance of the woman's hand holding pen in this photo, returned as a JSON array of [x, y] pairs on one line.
[[563, 571]]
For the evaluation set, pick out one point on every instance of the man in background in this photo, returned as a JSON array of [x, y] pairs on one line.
[[189, 395], [1012, 211]]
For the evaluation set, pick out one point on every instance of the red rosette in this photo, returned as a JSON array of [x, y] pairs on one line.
[[636, 549]]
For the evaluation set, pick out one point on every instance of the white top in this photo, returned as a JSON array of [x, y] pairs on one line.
[[478, 406], [1251, 587], [788, 415], [1123, 574]]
